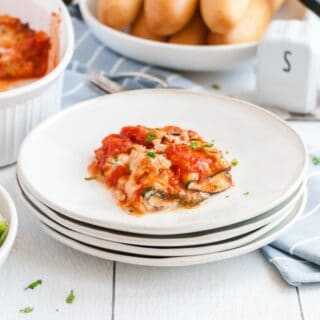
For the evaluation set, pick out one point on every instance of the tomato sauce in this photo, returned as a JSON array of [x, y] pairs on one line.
[[185, 160], [136, 134], [112, 145], [115, 175]]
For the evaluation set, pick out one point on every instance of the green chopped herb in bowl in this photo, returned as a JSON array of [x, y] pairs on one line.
[[3, 229], [8, 224]]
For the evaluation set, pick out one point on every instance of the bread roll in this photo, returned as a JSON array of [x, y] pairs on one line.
[[251, 28], [118, 14], [140, 29], [194, 33], [166, 17], [276, 4], [221, 16]]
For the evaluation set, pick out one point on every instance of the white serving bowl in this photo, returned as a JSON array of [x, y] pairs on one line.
[[8, 211], [180, 57], [24, 107]]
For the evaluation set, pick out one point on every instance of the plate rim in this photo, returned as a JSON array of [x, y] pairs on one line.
[[167, 252], [144, 240], [125, 226], [184, 261]]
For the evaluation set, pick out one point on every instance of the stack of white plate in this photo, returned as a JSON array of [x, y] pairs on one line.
[[268, 196]]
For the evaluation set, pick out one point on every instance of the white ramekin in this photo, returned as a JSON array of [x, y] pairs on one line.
[[21, 109], [8, 211]]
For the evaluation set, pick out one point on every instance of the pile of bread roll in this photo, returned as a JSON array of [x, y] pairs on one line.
[[193, 22]]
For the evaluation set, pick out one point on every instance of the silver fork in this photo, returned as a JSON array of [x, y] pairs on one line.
[[107, 85]]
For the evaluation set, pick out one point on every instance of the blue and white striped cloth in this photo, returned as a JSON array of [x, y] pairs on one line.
[[296, 254], [91, 55]]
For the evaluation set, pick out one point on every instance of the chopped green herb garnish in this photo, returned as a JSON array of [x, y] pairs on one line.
[[163, 195], [3, 230], [151, 154], [208, 145], [147, 192], [150, 137], [3, 225], [33, 284], [26, 310], [195, 145], [227, 196], [234, 162], [246, 193], [215, 87], [89, 178], [113, 160], [70, 297], [316, 160]]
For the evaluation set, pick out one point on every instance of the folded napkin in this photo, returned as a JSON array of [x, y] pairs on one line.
[[297, 253]]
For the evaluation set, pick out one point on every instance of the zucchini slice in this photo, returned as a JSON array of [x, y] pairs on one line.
[[217, 183]]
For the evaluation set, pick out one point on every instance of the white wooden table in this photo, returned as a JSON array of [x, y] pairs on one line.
[[245, 288]]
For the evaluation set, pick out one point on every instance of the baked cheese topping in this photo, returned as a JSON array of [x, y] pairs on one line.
[[153, 169]]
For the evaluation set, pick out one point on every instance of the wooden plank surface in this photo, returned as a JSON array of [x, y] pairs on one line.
[[310, 301], [36, 256], [245, 288]]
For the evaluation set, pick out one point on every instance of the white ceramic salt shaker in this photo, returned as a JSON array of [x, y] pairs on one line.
[[288, 66]]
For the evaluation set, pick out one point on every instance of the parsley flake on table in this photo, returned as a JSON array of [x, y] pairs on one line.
[[234, 162], [70, 297], [215, 87], [316, 160], [246, 193], [26, 310], [33, 284]]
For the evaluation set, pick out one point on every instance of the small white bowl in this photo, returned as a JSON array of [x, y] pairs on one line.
[[180, 57], [22, 108], [8, 211]]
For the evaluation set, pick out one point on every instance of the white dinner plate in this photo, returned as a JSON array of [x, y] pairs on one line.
[[182, 261], [161, 252], [272, 158], [175, 56], [182, 240]]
